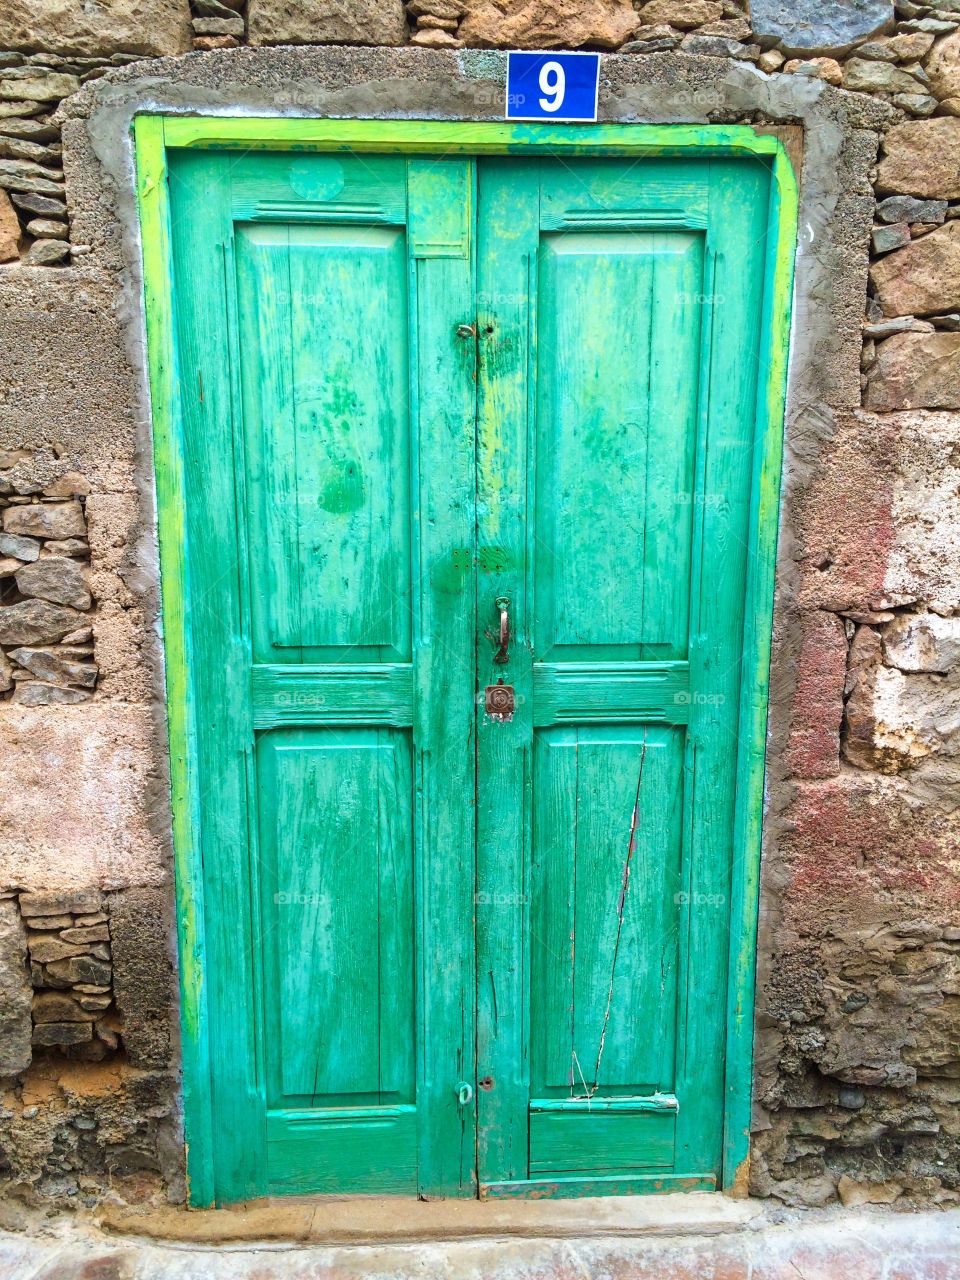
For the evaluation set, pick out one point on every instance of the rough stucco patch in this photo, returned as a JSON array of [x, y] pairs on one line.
[[841, 520], [151, 27], [79, 788], [924, 562], [858, 837], [64, 377], [140, 930]]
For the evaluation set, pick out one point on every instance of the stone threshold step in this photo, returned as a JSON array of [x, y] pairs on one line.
[[401, 1219]]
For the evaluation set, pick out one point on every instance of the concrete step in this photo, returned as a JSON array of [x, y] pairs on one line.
[[862, 1244]]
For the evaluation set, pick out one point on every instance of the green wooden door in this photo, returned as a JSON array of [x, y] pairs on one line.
[[445, 949], [329, 414], [619, 322]]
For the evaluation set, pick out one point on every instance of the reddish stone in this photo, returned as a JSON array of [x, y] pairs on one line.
[[813, 747]]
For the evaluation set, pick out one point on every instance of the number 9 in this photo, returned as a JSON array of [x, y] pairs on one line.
[[553, 83]]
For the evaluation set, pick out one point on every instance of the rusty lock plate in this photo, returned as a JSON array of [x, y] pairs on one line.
[[499, 701]]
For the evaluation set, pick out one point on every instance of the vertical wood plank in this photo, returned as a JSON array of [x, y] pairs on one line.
[[221, 663], [508, 234], [443, 378]]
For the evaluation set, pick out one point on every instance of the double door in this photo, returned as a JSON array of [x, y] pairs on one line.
[[469, 446]]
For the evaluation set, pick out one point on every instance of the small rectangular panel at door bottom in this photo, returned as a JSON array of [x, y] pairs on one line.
[[337, 910], [605, 922]]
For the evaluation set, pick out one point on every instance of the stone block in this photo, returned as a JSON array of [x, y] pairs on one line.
[[90, 933], [915, 371], [943, 66], [922, 158], [62, 1033], [49, 902], [911, 46], [46, 520], [910, 209], [46, 948], [58, 670], [16, 991], [862, 75], [717, 47], [58, 1006], [895, 720], [922, 642], [533, 24], [9, 230], [34, 693], [45, 253], [149, 27], [682, 14], [326, 22], [887, 238], [922, 278], [26, 549], [55, 578], [812, 26], [36, 622], [451, 9], [35, 84], [813, 745], [82, 969], [143, 977]]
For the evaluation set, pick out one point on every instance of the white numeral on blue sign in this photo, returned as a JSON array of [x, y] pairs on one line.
[[552, 86]]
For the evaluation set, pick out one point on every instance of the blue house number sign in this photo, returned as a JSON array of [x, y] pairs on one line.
[[552, 86]]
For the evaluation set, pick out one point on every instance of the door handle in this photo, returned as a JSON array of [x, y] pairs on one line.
[[464, 1094], [502, 655]]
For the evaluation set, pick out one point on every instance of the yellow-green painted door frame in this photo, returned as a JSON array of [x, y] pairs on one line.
[[231, 1135]]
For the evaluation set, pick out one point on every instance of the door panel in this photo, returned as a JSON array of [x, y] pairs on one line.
[[324, 352], [617, 389], [339, 924], [618, 333], [604, 909], [329, 423]]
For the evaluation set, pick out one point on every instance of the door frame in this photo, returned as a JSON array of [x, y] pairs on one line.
[[154, 135]]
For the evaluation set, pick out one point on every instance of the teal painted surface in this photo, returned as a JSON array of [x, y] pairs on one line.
[[397, 684], [618, 373]]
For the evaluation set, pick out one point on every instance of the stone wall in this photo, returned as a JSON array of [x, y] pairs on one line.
[[858, 1024]]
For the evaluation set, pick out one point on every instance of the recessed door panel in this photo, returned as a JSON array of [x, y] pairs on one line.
[[336, 844], [324, 355], [618, 337], [606, 909]]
